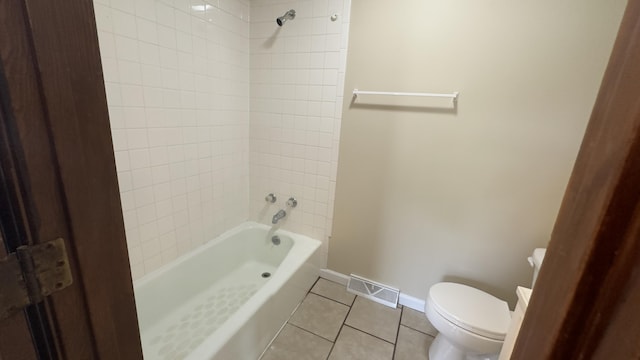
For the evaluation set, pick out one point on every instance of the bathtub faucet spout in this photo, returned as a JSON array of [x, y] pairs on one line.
[[279, 215]]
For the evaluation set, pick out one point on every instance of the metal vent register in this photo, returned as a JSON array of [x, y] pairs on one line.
[[374, 291]]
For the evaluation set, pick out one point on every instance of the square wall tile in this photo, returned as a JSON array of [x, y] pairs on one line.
[[170, 70], [297, 74], [152, 52]]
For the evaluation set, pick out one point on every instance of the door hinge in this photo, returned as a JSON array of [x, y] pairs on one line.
[[31, 273]]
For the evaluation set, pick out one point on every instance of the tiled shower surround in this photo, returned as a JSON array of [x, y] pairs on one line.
[[177, 80], [210, 108], [297, 77]]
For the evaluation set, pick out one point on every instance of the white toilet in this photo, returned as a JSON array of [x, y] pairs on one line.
[[472, 324]]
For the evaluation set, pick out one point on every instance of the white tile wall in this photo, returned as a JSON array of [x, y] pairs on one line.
[[209, 111], [177, 80], [297, 80]]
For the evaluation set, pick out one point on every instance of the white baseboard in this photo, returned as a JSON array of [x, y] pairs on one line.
[[334, 276], [411, 302], [404, 299]]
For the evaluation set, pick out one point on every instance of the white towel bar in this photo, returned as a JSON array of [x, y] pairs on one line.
[[453, 95]]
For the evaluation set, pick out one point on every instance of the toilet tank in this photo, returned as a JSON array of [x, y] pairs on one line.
[[536, 262]]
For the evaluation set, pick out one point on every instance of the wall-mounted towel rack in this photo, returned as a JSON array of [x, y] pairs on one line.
[[453, 96]]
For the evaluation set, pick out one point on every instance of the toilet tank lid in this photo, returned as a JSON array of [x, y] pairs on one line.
[[471, 309], [538, 257]]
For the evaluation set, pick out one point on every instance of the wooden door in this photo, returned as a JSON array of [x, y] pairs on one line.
[[16, 341], [586, 303], [60, 180]]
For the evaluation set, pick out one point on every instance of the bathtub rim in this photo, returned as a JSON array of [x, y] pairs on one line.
[[146, 278], [303, 250]]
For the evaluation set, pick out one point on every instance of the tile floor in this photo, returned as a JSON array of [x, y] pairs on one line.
[[336, 325]]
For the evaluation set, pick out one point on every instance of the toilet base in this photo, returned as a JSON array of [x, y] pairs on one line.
[[442, 349]]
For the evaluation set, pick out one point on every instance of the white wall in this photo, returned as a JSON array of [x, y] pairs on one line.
[[297, 77], [177, 81], [426, 193]]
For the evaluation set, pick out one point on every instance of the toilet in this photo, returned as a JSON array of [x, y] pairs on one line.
[[471, 324]]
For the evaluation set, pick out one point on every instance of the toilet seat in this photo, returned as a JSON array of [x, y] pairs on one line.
[[471, 309]]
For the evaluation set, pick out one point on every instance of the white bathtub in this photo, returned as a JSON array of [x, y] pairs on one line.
[[213, 303]]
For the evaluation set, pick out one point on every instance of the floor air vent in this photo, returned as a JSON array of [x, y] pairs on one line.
[[374, 291]]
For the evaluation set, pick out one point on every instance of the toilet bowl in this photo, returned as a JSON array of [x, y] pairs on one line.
[[471, 323]]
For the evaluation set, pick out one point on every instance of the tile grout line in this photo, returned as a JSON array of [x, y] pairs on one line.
[[287, 322], [412, 328], [310, 332], [266, 349], [312, 286], [328, 298], [393, 356], [364, 332], [375, 336], [333, 282], [420, 331], [333, 345]]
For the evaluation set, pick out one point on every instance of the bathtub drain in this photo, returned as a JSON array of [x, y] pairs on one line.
[[266, 274]]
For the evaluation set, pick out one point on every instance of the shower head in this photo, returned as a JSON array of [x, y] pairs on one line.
[[289, 15]]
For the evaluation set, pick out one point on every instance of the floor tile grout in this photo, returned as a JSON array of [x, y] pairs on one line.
[[333, 345], [310, 332], [326, 297], [393, 356], [362, 331], [377, 337], [414, 329], [343, 324], [333, 282], [352, 327]]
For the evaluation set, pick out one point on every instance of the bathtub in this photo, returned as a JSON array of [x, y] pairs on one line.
[[228, 298]]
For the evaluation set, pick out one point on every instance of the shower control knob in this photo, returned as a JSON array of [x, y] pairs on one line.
[[270, 198], [292, 202]]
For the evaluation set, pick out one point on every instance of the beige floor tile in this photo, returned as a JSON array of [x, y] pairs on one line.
[[412, 345], [375, 319], [356, 345], [417, 321], [333, 291], [296, 344], [320, 316]]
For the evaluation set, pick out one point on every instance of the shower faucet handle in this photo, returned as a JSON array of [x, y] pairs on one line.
[[271, 198], [292, 202]]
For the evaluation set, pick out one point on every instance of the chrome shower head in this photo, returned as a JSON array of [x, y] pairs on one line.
[[289, 15]]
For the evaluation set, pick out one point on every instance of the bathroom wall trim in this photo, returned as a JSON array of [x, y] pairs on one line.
[[404, 300], [334, 276], [411, 302]]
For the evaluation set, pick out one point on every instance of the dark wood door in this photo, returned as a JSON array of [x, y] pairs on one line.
[[16, 341], [60, 178], [586, 303]]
